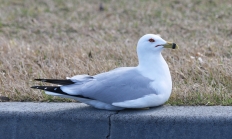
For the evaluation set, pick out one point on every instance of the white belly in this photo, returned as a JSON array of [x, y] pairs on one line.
[[151, 100]]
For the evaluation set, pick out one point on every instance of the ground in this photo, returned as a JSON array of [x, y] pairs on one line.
[[57, 38]]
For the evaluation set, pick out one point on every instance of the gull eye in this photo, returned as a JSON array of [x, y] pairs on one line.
[[151, 40]]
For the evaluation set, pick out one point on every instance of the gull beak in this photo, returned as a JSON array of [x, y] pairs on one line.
[[171, 45]]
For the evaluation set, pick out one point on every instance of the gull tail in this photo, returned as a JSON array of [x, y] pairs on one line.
[[56, 81]]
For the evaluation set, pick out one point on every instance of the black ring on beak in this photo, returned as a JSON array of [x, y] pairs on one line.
[[173, 46]]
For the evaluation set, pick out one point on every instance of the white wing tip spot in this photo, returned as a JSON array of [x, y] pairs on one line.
[[45, 88]]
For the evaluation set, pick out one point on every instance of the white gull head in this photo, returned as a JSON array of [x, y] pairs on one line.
[[150, 44]]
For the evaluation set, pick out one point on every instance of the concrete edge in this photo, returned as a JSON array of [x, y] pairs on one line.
[[76, 120]]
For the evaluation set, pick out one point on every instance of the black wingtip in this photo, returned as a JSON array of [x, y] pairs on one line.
[[56, 89]]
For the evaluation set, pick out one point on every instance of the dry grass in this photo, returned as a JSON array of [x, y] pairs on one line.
[[55, 39]]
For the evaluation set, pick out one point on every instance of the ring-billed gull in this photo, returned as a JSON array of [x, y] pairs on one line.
[[147, 85]]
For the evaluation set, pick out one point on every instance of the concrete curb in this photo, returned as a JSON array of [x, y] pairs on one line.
[[74, 120]]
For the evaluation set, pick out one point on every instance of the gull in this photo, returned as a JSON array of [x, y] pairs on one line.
[[147, 85]]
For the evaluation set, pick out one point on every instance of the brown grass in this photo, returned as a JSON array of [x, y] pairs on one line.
[[55, 39]]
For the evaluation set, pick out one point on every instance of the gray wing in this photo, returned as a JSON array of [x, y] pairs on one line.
[[116, 86]]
